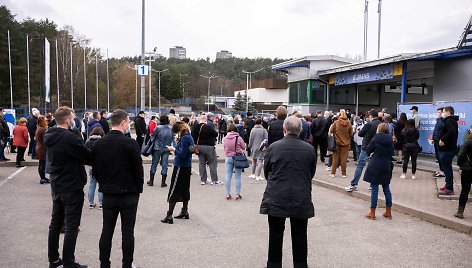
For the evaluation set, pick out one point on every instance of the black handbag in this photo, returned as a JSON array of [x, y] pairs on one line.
[[332, 140], [148, 148], [240, 160]]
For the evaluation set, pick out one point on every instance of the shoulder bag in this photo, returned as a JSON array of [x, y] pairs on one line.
[[196, 150], [148, 148], [332, 140], [239, 159]]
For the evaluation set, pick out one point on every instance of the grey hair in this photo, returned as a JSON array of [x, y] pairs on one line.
[[293, 125], [203, 118]]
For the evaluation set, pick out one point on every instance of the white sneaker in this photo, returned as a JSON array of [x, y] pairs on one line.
[[370, 188], [259, 178], [217, 183], [252, 176], [403, 176], [332, 175], [413, 177], [202, 183], [350, 188], [328, 169], [344, 176]]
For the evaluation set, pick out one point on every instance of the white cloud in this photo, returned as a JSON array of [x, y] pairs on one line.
[[252, 28]]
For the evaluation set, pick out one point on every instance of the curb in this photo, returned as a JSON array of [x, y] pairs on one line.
[[441, 220]]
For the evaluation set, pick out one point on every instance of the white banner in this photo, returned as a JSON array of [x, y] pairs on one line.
[[47, 71]]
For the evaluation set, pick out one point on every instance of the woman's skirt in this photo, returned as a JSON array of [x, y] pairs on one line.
[[179, 190]]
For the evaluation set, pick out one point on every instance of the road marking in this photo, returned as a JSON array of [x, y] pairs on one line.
[[11, 176]]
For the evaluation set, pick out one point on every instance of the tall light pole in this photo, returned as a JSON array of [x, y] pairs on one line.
[[380, 22], [159, 87], [9, 64], [108, 86], [249, 83], [57, 76], [96, 74], [221, 89], [366, 23], [209, 81], [143, 81], [85, 82], [28, 67], [150, 60], [71, 78]]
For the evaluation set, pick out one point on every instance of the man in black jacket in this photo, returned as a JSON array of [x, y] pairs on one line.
[[320, 135], [367, 132], [118, 168], [4, 135], [205, 136], [289, 166], [67, 156], [140, 128], [103, 121], [275, 129], [448, 147], [436, 131], [31, 125]]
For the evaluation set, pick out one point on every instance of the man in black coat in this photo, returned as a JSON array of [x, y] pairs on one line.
[[275, 129], [67, 155], [367, 132], [320, 135], [31, 125], [289, 166], [140, 128], [4, 135], [436, 131], [103, 121], [118, 168], [205, 136], [448, 148]]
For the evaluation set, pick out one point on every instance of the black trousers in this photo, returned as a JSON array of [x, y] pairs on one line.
[[321, 142], [67, 211], [42, 169], [436, 153], [407, 153], [299, 241], [20, 154], [140, 141], [126, 205], [466, 181]]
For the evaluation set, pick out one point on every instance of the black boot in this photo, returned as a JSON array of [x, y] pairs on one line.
[[168, 219], [459, 214], [163, 183], [151, 180], [183, 214], [43, 179]]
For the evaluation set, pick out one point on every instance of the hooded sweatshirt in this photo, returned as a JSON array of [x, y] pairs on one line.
[[67, 156], [343, 129], [449, 133], [230, 144]]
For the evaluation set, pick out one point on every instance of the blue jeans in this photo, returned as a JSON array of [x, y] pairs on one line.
[[375, 194], [229, 173], [445, 158], [91, 192], [161, 157], [361, 160], [358, 150]]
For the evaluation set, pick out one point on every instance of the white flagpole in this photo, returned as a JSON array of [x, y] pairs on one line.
[[71, 78], [28, 68], [9, 64], [85, 83], [57, 76], [108, 86], [380, 22], [96, 74]]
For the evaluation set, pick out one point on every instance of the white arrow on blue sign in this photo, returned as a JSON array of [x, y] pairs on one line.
[[142, 69]]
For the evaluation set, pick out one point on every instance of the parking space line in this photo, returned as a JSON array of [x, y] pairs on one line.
[[11, 176]]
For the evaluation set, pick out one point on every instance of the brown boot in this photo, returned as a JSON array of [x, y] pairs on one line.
[[371, 214], [388, 213]]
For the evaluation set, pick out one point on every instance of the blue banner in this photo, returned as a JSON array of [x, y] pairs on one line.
[[428, 115], [384, 72]]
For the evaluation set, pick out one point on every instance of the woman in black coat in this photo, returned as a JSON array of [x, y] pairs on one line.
[[379, 170], [464, 161], [411, 148]]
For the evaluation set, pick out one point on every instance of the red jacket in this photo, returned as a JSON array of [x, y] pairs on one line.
[[20, 136], [152, 126]]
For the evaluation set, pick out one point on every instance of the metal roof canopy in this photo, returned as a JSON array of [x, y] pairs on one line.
[[305, 61]]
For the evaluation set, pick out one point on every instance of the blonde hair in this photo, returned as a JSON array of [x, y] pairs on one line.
[[22, 120]]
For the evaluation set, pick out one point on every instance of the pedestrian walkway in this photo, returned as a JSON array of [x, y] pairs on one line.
[[418, 197]]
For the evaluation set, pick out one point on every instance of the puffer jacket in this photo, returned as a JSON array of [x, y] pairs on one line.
[[464, 158], [289, 166], [229, 143]]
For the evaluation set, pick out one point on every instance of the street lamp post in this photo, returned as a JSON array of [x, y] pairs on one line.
[[96, 75], [249, 83], [85, 83], [159, 87], [209, 81], [28, 67], [108, 86], [150, 60], [71, 79], [143, 81]]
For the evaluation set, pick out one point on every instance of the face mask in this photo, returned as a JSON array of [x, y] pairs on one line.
[[128, 129], [73, 125], [443, 115]]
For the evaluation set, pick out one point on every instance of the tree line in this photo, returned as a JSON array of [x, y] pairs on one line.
[[183, 77]]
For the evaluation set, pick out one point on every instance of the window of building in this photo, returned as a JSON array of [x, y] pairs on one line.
[[343, 95], [369, 95], [318, 92], [303, 92], [293, 93]]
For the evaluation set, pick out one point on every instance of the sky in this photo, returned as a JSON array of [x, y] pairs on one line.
[[257, 28]]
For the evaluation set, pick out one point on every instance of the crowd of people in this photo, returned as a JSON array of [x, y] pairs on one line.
[[64, 144]]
